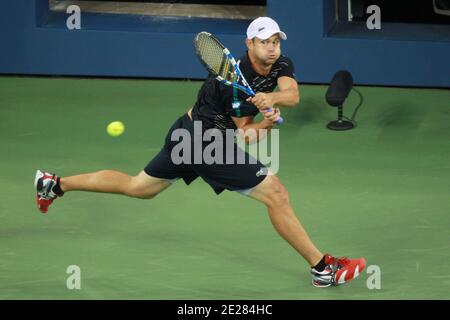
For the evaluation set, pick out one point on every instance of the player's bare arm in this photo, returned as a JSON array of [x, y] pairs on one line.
[[246, 123], [287, 96]]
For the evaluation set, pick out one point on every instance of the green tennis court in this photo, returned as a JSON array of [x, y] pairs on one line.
[[381, 191]]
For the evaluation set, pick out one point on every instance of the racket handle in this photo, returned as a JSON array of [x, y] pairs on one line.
[[280, 119]]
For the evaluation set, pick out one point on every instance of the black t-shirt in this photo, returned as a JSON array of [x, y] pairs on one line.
[[217, 102]]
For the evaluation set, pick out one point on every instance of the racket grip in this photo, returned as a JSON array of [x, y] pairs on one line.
[[280, 119]]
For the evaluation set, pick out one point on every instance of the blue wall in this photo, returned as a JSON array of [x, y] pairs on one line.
[[34, 41]]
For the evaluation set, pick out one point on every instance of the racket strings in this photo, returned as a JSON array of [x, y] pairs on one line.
[[211, 53]]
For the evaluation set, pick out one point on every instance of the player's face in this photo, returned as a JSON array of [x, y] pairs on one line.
[[265, 51]]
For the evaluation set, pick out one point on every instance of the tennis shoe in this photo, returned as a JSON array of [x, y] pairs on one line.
[[44, 183], [337, 271]]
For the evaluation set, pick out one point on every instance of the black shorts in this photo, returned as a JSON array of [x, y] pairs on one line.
[[237, 176]]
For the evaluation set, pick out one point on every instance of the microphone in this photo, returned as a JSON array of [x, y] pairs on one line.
[[340, 87]]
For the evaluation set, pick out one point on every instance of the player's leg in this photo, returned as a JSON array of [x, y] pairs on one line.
[[109, 181], [275, 196], [156, 176], [248, 179], [326, 270], [49, 186]]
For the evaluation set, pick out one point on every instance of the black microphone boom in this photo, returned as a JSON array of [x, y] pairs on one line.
[[340, 87]]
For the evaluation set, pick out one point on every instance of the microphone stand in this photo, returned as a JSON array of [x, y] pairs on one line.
[[340, 124]]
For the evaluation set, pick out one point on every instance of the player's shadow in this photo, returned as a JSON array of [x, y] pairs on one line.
[[399, 122], [310, 111]]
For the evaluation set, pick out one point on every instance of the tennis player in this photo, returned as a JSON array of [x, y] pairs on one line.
[[222, 107]]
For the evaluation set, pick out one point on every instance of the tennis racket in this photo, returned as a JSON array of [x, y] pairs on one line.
[[219, 61]]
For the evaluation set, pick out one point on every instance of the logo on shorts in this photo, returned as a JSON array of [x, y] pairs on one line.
[[260, 172]]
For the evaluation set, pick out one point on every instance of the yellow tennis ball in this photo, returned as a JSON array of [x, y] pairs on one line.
[[115, 128]]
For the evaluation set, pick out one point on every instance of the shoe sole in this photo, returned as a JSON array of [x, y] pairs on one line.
[[39, 174], [321, 286]]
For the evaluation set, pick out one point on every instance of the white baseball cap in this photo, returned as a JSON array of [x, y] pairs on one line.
[[264, 28]]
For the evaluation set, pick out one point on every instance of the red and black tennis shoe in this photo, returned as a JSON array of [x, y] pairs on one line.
[[45, 183], [337, 271]]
